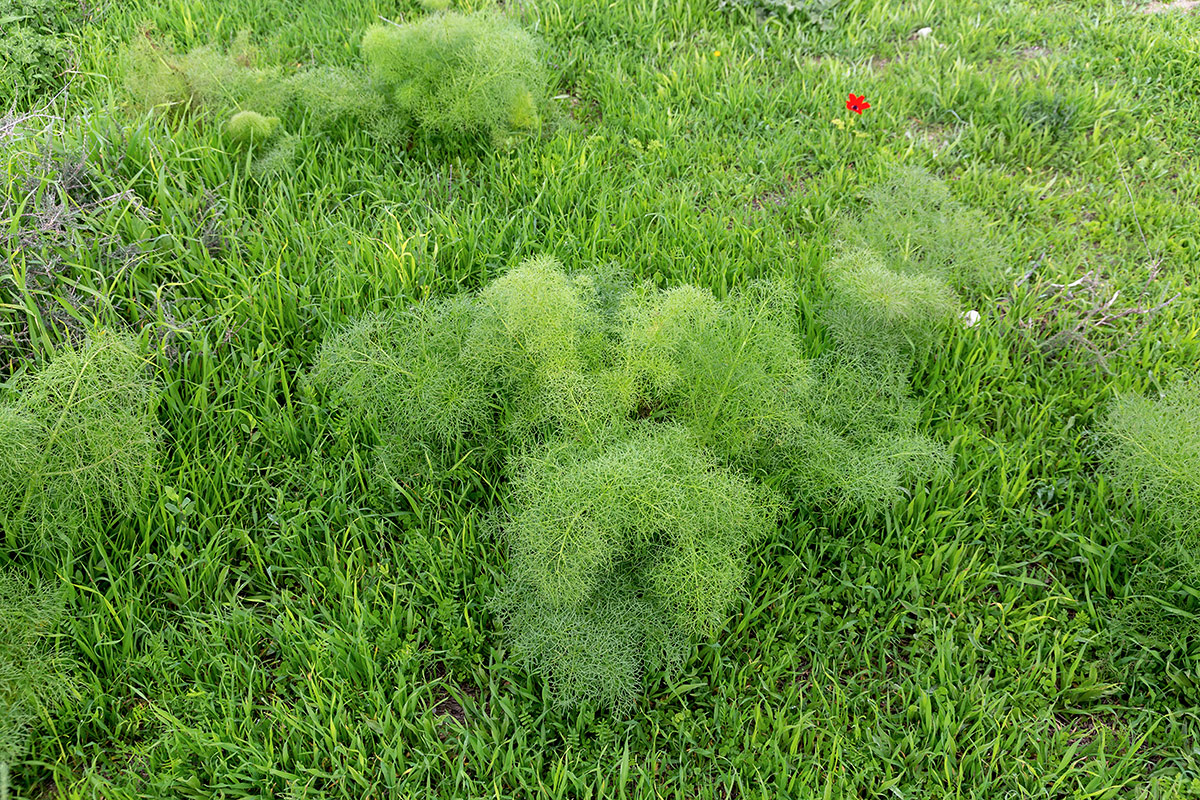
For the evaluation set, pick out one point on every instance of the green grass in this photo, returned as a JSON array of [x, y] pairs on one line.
[[272, 623]]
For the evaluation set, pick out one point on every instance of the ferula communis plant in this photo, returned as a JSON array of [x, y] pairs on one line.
[[619, 553], [453, 73], [1153, 452], [633, 424], [1152, 455], [77, 441], [404, 375], [249, 127], [913, 224], [902, 262], [32, 678]]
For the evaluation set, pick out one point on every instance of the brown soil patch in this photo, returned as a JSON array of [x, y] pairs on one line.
[[444, 702], [446, 705]]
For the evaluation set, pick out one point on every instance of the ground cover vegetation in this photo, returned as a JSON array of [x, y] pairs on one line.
[[571, 399], [624, 415], [33, 678], [34, 49], [450, 77], [1153, 447]]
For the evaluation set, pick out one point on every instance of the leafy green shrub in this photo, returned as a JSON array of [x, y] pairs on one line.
[[156, 77], [538, 336], [618, 553], [32, 677], [1153, 456], [331, 95], [33, 47], [279, 158], [1154, 452], [875, 309], [452, 73], [733, 371], [77, 442], [916, 228], [449, 75], [632, 420], [891, 292], [404, 375], [246, 128], [859, 446]]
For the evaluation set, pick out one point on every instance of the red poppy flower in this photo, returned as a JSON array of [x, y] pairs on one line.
[[858, 104]]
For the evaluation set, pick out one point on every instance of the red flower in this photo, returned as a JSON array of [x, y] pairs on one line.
[[858, 104]]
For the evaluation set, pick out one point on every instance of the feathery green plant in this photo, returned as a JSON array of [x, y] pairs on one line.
[[891, 293], [632, 419], [452, 73], [249, 127], [330, 95], [618, 553], [32, 678], [404, 375], [448, 75], [733, 371], [78, 441], [1154, 452], [1153, 456], [156, 77], [540, 338], [894, 284], [913, 224], [874, 309], [859, 446]]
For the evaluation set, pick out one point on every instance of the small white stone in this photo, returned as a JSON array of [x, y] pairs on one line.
[[970, 318], [923, 32]]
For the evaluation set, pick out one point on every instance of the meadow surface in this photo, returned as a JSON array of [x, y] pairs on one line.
[[270, 622]]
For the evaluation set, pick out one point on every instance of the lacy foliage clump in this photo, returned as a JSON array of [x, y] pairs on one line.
[[1153, 456], [633, 424], [452, 73], [77, 442], [32, 677], [877, 309], [449, 76], [618, 553], [894, 285], [892, 294], [404, 375], [246, 128], [916, 228], [158, 77]]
